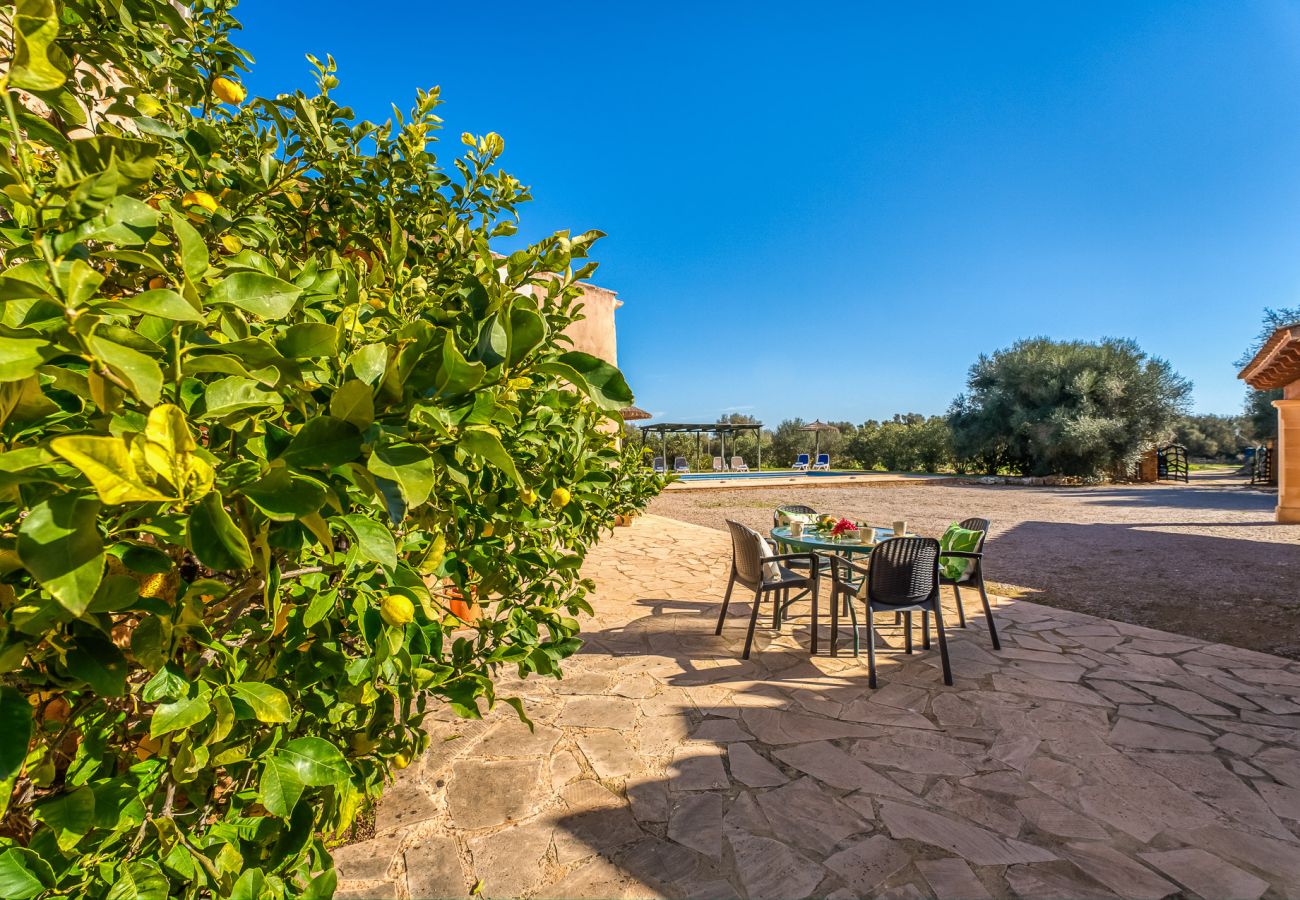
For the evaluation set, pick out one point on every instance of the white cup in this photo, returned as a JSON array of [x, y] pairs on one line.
[[900, 527]]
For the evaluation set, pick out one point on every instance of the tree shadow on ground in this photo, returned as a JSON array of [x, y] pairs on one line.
[[789, 777], [1228, 590], [695, 830]]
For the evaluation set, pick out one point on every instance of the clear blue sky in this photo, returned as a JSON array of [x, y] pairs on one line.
[[830, 209]]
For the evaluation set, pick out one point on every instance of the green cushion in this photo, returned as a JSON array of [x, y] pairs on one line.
[[956, 568], [789, 517]]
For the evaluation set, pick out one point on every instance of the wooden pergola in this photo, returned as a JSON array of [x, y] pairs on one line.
[[699, 429], [1277, 366]]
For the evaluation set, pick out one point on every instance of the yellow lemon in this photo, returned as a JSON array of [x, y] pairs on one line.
[[560, 497], [529, 496], [397, 610], [200, 198], [362, 743], [402, 760], [157, 282], [229, 91], [488, 530]]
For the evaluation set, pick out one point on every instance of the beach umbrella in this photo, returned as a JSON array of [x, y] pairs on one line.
[[632, 413], [817, 427]]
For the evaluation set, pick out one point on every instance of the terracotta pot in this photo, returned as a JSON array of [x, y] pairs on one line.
[[468, 611]]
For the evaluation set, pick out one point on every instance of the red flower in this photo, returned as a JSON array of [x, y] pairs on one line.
[[842, 526]]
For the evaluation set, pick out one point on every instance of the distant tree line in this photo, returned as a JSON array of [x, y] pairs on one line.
[[1039, 407]]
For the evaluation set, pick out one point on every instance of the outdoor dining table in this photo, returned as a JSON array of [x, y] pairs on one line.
[[822, 541]]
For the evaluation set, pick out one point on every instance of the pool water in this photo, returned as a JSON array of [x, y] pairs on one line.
[[716, 476]]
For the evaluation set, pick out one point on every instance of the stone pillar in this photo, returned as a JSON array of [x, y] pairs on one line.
[[1287, 463]]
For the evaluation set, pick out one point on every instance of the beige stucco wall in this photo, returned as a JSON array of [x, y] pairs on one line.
[[595, 334], [1288, 458]]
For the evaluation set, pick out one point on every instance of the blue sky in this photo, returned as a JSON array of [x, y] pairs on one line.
[[830, 209]]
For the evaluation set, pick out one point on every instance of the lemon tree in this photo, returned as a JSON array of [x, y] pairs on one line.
[[269, 401]]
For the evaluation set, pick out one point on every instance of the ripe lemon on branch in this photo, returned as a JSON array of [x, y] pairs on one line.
[[228, 90], [397, 610]]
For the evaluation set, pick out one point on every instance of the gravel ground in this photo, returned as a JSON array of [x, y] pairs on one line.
[[1204, 559]]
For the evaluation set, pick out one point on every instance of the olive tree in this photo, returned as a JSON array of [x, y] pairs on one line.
[[1046, 407]]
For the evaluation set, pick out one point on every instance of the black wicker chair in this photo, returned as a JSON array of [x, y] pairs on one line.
[[902, 577], [974, 574], [766, 575]]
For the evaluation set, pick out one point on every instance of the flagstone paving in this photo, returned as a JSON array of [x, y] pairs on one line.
[[1088, 758]]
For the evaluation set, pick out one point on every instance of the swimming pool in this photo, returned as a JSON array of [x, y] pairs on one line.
[[754, 476]]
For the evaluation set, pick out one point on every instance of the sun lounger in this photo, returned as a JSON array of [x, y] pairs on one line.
[[659, 466], [738, 464], [801, 464], [717, 464], [680, 465], [823, 462]]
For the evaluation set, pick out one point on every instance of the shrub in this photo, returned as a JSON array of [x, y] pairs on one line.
[[907, 443], [271, 409], [1213, 437], [1048, 407]]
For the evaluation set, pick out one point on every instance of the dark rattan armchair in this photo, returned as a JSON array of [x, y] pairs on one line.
[[974, 574], [903, 577], [765, 574]]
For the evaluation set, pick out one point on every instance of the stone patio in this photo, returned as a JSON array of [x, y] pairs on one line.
[[1088, 758]]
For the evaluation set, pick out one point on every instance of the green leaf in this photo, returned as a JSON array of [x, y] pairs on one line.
[[408, 465], [140, 372], [20, 357], [23, 873], [323, 441], [269, 704], [107, 463], [261, 295], [374, 541], [215, 538], [527, 330], [234, 394], [251, 885], [15, 733], [284, 496], [96, 660], [169, 449], [69, 815], [24, 401], [456, 375], [316, 762], [280, 787], [194, 253], [163, 303], [140, 879], [321, 603], [486, 445], [36, 27], [178, 715], [309, 340], [605, 382], [369, 362], [355, 403], [60, 545]]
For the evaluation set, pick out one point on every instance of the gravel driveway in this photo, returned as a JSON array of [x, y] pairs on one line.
[[1204, 559]]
